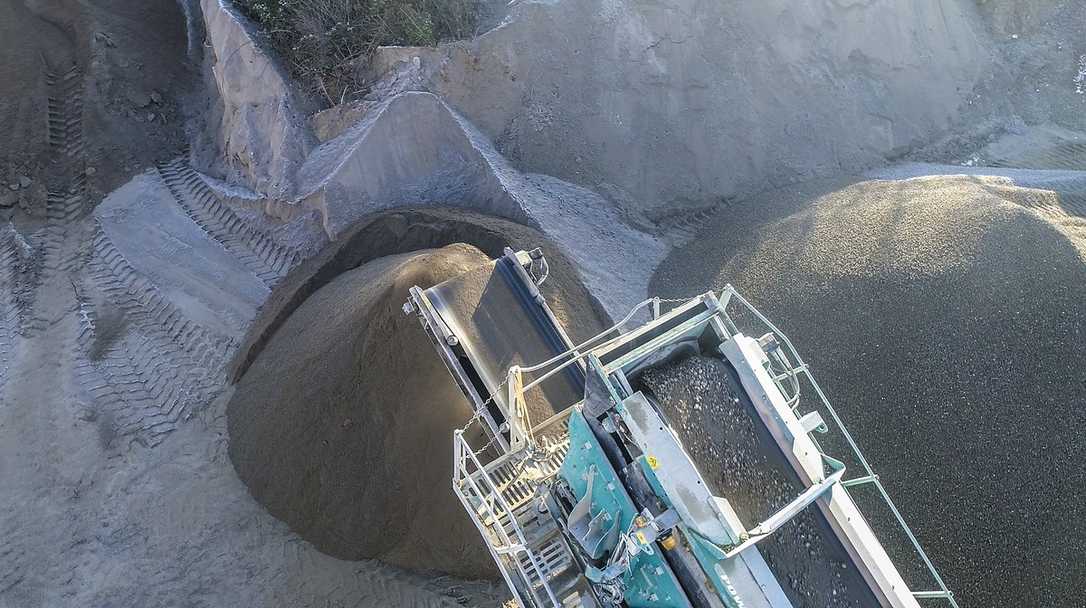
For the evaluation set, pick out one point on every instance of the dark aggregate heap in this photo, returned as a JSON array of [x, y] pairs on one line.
[[343, 425], [946, 319]]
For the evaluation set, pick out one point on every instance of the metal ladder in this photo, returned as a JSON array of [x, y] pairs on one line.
[[556, 565], [547, 568]]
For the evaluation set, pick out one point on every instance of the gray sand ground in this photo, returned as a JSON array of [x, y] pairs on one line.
[[133, 57], [944, 317]]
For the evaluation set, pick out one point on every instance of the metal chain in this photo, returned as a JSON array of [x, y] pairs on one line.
[[479, 412], [485, 447], [479, 415]]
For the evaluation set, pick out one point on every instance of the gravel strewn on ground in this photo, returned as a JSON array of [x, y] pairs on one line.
[[945, 318]]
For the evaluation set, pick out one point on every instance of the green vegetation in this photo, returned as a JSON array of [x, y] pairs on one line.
[[326, 42]]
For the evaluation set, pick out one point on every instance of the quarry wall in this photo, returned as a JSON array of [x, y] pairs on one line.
[[659, 107], [682, 103], [255, 130]]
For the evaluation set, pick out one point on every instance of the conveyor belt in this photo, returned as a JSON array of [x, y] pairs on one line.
[[741, 460], [493, 314]]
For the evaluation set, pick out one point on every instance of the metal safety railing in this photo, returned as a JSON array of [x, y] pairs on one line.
[[482, 498], [788, 382], [521, 427]]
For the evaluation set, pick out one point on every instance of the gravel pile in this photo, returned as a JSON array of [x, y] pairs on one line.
[[946, 319]]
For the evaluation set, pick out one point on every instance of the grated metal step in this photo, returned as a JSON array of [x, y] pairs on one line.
[[544, 562], [553, 559], [518, 480]]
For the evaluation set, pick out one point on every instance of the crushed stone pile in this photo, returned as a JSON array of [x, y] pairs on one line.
[[944, 317]]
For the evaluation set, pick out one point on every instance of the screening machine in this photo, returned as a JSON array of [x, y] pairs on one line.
[[586, 496]]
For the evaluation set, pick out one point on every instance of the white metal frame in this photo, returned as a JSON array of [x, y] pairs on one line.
[[477, 490]]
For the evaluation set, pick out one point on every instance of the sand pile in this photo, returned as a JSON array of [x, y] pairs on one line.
[[944, 316], [342, 426]]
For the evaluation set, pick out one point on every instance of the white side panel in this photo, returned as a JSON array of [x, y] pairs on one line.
[[837, 506]]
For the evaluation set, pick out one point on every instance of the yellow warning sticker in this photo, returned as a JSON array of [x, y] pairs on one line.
[[653, 462]]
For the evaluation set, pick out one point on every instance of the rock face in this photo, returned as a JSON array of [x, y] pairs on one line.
[[1010, 18], [409, 148], [257, 134], [686, 102], [1042, 52]]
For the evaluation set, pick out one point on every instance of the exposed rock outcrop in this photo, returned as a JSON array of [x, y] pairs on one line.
[[257, 126]]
